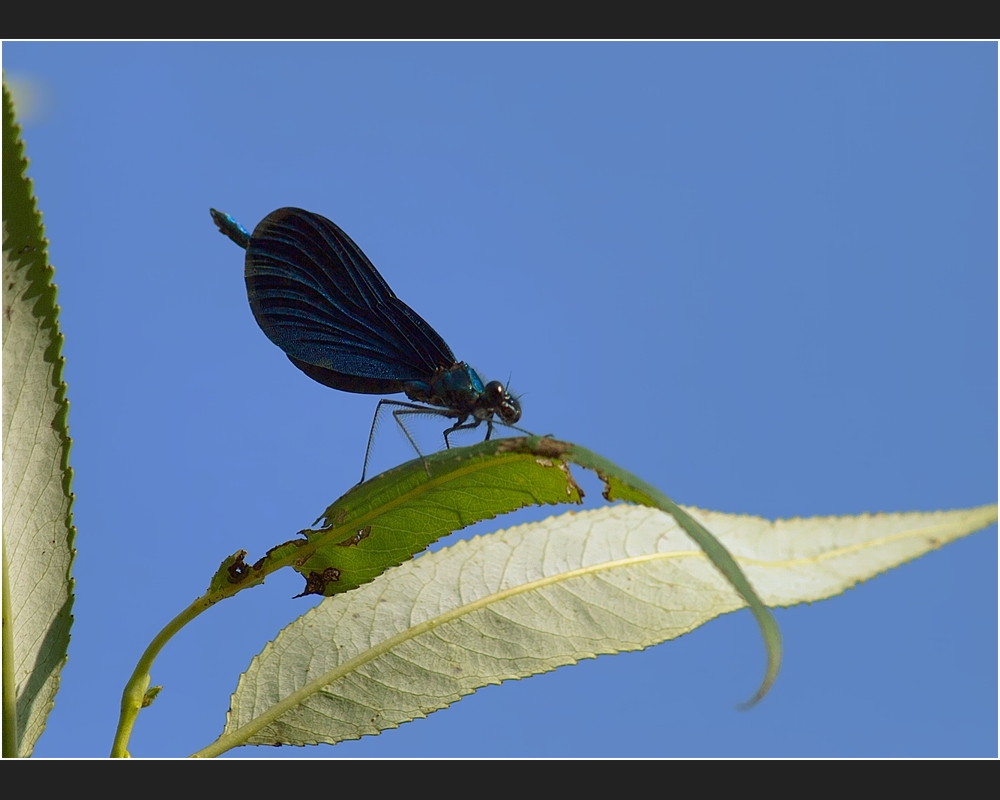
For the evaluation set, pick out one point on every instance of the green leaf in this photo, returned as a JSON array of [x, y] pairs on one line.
[[392, 517], [381, 523], [385, 521], [527, 600], [38, 532]]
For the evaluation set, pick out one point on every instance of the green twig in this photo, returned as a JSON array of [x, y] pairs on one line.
[[135, 689]]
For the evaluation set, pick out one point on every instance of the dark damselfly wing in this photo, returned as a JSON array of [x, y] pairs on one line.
[[319, 298]]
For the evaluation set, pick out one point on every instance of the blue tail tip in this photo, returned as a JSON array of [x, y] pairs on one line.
[[231, 228]]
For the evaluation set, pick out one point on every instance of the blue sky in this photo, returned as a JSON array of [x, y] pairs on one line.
[[763, 277]]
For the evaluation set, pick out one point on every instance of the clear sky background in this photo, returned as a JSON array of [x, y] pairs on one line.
[[763, 277]]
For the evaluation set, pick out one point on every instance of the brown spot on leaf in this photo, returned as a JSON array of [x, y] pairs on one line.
[[606, 480], [552, 448], [238, 570], [357, 538], [513, 444], [317, 582]]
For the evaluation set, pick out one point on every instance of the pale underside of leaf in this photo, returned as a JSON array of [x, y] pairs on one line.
[[37, 529], [532, 598]]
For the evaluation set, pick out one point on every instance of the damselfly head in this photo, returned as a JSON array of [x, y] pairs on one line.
[[502, 402]]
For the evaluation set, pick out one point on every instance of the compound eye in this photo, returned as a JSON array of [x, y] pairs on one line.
[[494, 392], [510, 410]]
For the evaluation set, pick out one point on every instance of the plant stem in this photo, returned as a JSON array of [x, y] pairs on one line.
[[135, 689], [9, 682]]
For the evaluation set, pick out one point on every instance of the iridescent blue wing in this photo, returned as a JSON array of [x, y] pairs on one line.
[[319, 298]]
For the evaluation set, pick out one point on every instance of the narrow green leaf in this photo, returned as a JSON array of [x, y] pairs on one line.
[[38, 532], [381, 523], [389, 519], [535, 597]]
